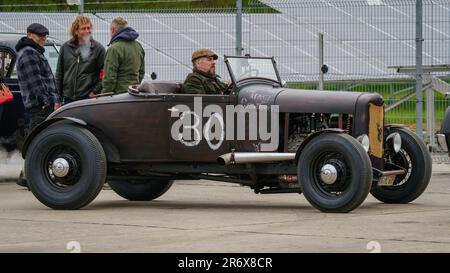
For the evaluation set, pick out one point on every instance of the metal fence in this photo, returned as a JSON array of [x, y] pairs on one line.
[[361, 40], [362, 43]]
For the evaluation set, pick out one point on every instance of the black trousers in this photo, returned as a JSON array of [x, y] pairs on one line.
[[38, 115]]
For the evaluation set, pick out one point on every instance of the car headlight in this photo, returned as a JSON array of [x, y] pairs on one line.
[[394, 141], [364, 140]]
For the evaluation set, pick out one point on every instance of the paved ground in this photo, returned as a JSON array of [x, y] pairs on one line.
[[205, 216]]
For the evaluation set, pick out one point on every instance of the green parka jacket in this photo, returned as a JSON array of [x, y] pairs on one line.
[[124, 62]]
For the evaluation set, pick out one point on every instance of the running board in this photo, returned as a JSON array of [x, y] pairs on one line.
[[270, 191]]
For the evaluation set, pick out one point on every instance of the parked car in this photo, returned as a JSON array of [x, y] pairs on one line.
[[14, 117], [332, 146], [443, 138]]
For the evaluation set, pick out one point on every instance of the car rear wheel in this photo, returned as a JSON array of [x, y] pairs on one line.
[[65, 167], [335, 173], [416, 160], [146, 190]]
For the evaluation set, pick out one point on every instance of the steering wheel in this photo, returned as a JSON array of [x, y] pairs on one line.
[[229, 89]]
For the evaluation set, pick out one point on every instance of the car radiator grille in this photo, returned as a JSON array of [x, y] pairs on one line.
[[376, 117]]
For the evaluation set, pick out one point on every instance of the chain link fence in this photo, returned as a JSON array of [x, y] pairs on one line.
[[362, 40]]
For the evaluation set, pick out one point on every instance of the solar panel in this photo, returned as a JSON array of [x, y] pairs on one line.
[[361, 38]]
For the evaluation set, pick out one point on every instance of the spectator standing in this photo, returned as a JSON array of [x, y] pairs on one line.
[[124, 61], [80, 63]]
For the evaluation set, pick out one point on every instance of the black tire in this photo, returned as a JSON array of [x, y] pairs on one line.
[[86, 173], [140, 190], [354, 172], [416, 159]]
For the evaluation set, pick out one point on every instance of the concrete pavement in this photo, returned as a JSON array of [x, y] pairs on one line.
[[206, 216]]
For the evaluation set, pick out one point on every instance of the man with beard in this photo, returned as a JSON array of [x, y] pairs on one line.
[[203, 79], [80, 63], [124, 61], [36, 81]]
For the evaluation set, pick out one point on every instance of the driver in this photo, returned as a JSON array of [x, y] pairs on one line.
[[203, 79]]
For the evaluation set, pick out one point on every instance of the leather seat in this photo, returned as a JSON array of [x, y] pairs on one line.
[[160, 87]]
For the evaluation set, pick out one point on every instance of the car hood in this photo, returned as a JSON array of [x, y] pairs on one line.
[[308, 101]]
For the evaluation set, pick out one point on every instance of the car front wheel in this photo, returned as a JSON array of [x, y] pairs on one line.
[[335, 173], [416, 160]]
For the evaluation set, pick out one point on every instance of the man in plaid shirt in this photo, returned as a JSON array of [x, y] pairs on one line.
[[37, 83]]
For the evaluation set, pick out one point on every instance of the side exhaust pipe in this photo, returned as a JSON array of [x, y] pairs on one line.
[[240, 158]]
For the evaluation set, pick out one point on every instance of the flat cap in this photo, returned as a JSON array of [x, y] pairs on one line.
[[37, 29], [203, 52]]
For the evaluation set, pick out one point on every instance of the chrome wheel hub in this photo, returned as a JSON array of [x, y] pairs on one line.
[[60, 167], [328, 174]]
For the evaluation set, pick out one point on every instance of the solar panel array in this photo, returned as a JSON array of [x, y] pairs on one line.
[[361, 38]]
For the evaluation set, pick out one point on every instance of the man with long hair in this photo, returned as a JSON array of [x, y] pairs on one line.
[[78, 72]]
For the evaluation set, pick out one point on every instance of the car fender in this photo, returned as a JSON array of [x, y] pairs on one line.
[[112, 153], [313, 135], [387, 130]]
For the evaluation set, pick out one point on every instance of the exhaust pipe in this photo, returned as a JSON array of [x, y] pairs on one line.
[[240, 158]]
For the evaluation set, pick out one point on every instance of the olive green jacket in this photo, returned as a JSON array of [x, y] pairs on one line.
[[199, 82], [124, 65]]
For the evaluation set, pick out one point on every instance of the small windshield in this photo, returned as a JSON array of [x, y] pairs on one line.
[[248, 67], [51, 54], [6, 58]]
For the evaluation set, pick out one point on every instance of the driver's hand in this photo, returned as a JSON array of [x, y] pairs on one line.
[[228, 82]]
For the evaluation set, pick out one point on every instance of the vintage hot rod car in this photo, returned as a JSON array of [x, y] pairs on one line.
[[331, 146]]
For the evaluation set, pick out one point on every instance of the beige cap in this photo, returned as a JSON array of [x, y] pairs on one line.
[[203, 52]]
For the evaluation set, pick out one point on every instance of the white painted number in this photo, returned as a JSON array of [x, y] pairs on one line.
[[74, 247], [374, 246]]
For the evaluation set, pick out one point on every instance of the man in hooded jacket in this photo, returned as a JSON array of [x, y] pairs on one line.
[[36, 80], [124, 60]]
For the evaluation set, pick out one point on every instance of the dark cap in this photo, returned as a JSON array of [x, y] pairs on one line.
[[203, 52], [37, 29]]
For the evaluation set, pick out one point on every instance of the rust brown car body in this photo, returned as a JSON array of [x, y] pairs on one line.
[[134, 131]]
